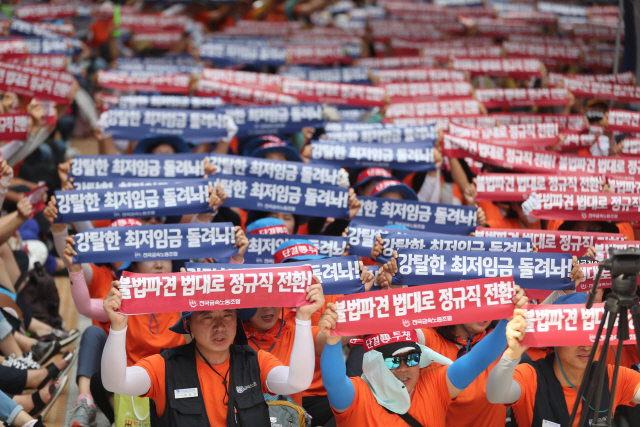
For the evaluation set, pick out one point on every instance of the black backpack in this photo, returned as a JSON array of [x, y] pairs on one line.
[[38, 289]]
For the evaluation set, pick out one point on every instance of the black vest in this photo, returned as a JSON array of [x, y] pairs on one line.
[[551, 404], [247, 407]]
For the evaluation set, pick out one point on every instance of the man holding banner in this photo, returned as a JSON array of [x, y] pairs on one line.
[[394, 388], [544, 392], [214, 380]]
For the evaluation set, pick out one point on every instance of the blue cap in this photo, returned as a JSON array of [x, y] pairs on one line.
[[267, 225], [276, 145], [243, 314], [394, 185], [572, 298], [145, 145], [297, 250]]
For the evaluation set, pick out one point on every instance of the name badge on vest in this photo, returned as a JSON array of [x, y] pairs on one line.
[[546, 423], [189, 392]]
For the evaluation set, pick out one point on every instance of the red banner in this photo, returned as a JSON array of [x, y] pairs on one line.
[[383, 29], [604, 90], [63, 76], [532, 16], [439, 108], [13, 48], [570, 123], [443, 122], [602, 248], [317, 54], [588, 207], [397, 62], [518, 68], [576, 141], [592, 31], [166, 84], [624, 121], [517, 187], [590, 271], [631, 146], [617, 185], [334, 93], [532, 161], [500, 98], [425, 306], [427, 91], [53, 62], [567, 325], [620, 78], [600, 61], [446, 52], [527, 136], [14, 126], [16, 79], [153, 22], [574, 242], [241, 95], [504, 27], [564, 53], [402, 75], [46, 11], [246, 78], [214, 290]]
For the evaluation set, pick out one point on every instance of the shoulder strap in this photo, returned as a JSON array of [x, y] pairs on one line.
[[407, 418]]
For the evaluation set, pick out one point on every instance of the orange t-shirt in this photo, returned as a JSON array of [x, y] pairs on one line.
[[629, 355], [525, 375], [472, 404], [145, 337], [99, 288], [429, 403], [282, 350], [210, 383]]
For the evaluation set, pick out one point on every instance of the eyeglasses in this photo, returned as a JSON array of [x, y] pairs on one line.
[[393, 362]]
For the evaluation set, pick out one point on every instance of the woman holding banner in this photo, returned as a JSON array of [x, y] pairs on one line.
[[215, 379], [544, 392], [394, 389]]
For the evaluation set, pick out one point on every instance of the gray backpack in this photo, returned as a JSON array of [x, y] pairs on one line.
[[284, 413]]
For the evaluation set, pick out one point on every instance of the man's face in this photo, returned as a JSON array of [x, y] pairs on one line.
[[407, 375], [265, 318], [164, 149], [394, 195], [574, 357], [275, 155], [477, 327], [213, 330]]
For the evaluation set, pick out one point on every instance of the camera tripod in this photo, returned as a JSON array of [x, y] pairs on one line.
[[624, 266]]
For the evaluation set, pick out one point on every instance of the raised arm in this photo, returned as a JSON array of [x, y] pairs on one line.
[[116, 376]]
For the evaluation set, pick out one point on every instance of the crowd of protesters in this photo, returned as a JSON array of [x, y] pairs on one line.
[[435, 182]]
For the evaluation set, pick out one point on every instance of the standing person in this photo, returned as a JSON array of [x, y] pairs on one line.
[[215, 379], [396, 387], [544, 392]]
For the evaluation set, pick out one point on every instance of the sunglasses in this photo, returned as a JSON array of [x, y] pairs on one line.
[[393, 362]]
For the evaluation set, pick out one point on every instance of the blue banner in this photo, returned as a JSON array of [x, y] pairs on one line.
[[351, 75], [184, 197], [362, 238], [170, 101], [339, 276], [349, 114], [272, 196], [253, 167], [151, 242], [284, 119], [105, 169], [46, 46], [93, 183], [158, 68], [223, 54], [262, 248], [25, 28], [85, 168], [417, 156], [436, 217], [547, 271], [168, 60], [387, 134], [136, 123]]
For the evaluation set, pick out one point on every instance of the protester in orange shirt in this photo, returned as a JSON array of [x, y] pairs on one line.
[[396, 387], [214, 379], [544, 392]]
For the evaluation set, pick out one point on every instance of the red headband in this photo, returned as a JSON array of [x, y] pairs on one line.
[[294, 250]]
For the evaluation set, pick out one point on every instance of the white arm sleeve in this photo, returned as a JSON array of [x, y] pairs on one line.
[[430, 190], [554, 296], [501, 387], [82, 225], [298, 375], [116, 377]]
